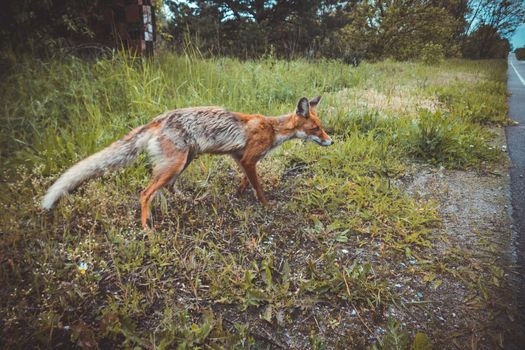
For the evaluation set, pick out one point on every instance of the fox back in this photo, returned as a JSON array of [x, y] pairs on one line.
[[202, 130]]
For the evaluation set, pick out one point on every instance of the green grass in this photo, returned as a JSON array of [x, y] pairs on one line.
[[220, 266]]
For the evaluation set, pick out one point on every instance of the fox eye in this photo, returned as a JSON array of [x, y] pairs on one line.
[[315, 129]]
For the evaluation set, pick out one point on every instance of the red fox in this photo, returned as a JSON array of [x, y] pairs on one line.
[[174, 138]]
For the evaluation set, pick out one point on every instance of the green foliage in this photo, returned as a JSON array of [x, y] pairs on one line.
[[316, 342], [42, 27], [479, 105], [486, 42], [346, 30], [396, 337], [220, 268], [490, 23], [250, 29], [375, 26], [432, 53], [175, 330], [448, 140]]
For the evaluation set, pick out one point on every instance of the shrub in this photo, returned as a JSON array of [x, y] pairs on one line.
[[432, 53]]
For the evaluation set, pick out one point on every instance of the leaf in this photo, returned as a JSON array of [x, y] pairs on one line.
[[267, 276], [341, 237], [437, 283], [421, 342], [267, 314], [254, 297], [285, 275], [395, 338]]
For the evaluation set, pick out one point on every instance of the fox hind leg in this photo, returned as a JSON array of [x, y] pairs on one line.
[[243, 185], [244, 181], [170, 163]]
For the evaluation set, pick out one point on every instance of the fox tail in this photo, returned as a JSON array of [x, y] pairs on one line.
[[119, 154]]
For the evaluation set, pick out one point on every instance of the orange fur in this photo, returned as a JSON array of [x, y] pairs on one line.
[[173, 139]]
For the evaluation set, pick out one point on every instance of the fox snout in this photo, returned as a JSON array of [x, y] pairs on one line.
[[327, 143], [322, 142]]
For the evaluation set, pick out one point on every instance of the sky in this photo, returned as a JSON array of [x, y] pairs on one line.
[[518, 39]]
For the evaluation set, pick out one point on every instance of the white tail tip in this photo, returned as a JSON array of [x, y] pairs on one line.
[[51, 197]]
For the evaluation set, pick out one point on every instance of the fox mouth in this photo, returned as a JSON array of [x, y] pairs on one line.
[[324, 143]]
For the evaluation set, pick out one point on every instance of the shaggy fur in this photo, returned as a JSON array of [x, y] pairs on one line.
[[174, 138]]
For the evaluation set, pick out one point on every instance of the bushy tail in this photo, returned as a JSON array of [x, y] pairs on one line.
[[116, 155]]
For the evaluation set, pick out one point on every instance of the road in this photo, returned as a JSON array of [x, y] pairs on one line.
[[516, 147]]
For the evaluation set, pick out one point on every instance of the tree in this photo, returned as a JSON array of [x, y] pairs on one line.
[[248, 28], [486, 42], [490, 23], [402, 28], [35, 24], [349, 30]]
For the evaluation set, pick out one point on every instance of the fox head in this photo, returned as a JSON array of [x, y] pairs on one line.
[[307, 123]]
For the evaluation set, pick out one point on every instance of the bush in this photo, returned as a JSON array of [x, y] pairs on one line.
[[520, 53]]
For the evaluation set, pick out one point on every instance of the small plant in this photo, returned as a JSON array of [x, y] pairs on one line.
[[316, 342], [444, 139], [396, 337], [432, 53]]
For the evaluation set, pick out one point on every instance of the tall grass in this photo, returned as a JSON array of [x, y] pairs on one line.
[[215, 253], [74, 108]]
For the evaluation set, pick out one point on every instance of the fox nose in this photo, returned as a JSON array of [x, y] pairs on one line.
[[328, 142]]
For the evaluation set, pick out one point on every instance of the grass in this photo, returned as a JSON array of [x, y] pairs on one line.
[[221, 268]]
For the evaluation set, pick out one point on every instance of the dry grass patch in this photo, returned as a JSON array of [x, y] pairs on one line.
[[403, 100]]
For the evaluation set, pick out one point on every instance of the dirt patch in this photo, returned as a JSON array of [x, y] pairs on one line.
[[469, 280]]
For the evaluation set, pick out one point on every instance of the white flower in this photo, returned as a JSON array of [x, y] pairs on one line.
[[82, 268]]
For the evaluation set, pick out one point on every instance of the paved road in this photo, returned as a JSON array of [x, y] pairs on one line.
[[516, 148], [516, 141]]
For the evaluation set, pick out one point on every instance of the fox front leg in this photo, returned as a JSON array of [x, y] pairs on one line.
[[251, 173]]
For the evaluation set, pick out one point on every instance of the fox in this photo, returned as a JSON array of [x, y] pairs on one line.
[[173, 139]]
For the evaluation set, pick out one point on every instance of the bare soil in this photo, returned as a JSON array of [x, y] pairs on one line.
[[474, 305]]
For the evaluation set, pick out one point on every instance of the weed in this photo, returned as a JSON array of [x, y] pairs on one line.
[[444, 139], [220, 268]]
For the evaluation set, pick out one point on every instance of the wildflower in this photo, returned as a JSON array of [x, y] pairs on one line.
[[82, 267]]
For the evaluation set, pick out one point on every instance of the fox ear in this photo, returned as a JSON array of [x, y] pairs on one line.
[[315, 101], [303, 107]]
